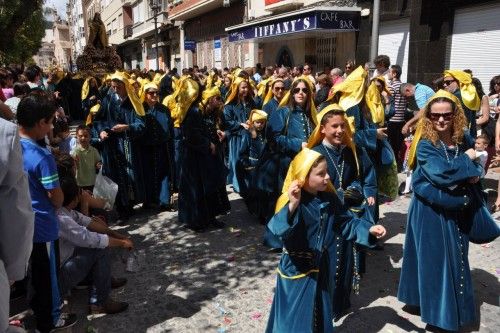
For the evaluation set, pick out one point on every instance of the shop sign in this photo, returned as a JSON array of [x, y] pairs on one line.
[[316, 20], [189, 45], [217, 52]]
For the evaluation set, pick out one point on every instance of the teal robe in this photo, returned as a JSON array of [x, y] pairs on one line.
[[436, 275], [307, 281]]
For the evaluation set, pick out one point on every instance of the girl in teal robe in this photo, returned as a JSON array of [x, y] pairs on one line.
[[311, 222], [238, 106]]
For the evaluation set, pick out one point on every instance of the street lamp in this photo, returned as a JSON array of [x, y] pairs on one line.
[[155, 6]]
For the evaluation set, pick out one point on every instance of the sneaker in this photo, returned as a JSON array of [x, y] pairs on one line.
[[65, 320], [110, 307], [118, 282]]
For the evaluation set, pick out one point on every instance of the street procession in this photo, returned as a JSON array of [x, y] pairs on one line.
[[278, 166]]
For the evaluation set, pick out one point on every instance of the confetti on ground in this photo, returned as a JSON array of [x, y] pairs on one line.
[[231, 258], [497, 271], [227, 320], [269, 301], [221, 330], [256, 316], [221, 309]]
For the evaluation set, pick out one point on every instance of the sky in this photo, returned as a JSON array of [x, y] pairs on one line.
[[60, 6]]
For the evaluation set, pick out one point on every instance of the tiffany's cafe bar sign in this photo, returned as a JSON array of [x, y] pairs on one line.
[[313, 19]]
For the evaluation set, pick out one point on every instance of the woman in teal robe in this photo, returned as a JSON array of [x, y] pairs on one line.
[[444, 215], [289, 129], [202, 187], [121, 156], [236, 112], [157, 151]]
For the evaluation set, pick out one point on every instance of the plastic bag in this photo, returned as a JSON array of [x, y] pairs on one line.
[[105, 188]]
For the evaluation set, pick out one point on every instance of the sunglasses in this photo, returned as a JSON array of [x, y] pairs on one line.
[[304, 90], [496, 84], [446, 116], [279, 88], [152, 93], [347, 67], [448, 82]]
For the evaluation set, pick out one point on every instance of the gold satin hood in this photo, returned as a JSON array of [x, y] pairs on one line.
[[298, 170], [468, 91], [352, 90], [134, 99]]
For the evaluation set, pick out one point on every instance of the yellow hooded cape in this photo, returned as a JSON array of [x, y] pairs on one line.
[[299, 170], [134, 99], [467, 89], [256, 115], [352, 90], [317, 137], [185, 95], [412, 154], [233, 90], [207, 94], [373, 100]]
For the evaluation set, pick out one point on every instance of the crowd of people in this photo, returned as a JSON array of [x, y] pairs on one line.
[[312, 155]]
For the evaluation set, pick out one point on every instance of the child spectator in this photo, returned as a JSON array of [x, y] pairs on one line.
[[482, 142], [35, 115], [84, 251], [62, 136], [87, 158], [20, 90]]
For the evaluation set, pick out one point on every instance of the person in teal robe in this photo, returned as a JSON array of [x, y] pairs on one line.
[[446, 212], [157, 151], [289, 128], [312, 223], [238, 106], [202, 187], [252, 149], [274, 96], [353, 176], [119, 126]]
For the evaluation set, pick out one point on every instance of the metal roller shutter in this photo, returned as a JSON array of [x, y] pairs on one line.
[[475, 42], [394, 41]]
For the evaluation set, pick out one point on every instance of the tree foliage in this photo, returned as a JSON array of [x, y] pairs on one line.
[[23, 28]]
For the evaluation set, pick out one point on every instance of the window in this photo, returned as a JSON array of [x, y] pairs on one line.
[[138, 12], [113, 26], [120, 21]]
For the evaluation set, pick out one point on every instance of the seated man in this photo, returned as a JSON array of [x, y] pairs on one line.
[[84, 243]]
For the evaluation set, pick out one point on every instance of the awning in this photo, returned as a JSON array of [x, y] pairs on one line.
[[310, 19]]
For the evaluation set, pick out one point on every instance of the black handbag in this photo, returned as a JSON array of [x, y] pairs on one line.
[[353, 197]]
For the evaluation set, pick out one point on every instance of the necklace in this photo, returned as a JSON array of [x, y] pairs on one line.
[[446, 152], [339, 173]]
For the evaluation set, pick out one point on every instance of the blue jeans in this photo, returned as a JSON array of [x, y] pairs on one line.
[[87, 261]]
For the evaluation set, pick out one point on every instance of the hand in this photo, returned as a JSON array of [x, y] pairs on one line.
[[294, 195], [103, 135], [473, 180], [497, 144], [381, 133], [370, 201], [117, 235], [471, 153], [378, 231], [127, 244], [405, 130], [304, 145], [221, 135], [120, 128], [212, 148], [245, 126]]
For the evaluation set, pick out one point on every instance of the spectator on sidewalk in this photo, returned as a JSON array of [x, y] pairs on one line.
[[84, 244], [35, 115], [421, 93], [397, 121], [88, 160], [16, 217]]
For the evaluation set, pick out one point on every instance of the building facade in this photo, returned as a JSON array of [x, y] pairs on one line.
[[74, 11]]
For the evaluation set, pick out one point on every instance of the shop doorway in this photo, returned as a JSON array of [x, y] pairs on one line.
[[284, 57]]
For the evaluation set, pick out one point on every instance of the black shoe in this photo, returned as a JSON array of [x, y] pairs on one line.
[[217, 224], [65, 320], [118, 282], [110, 307]]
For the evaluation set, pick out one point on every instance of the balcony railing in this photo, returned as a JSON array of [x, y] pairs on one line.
[[127, 31]]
